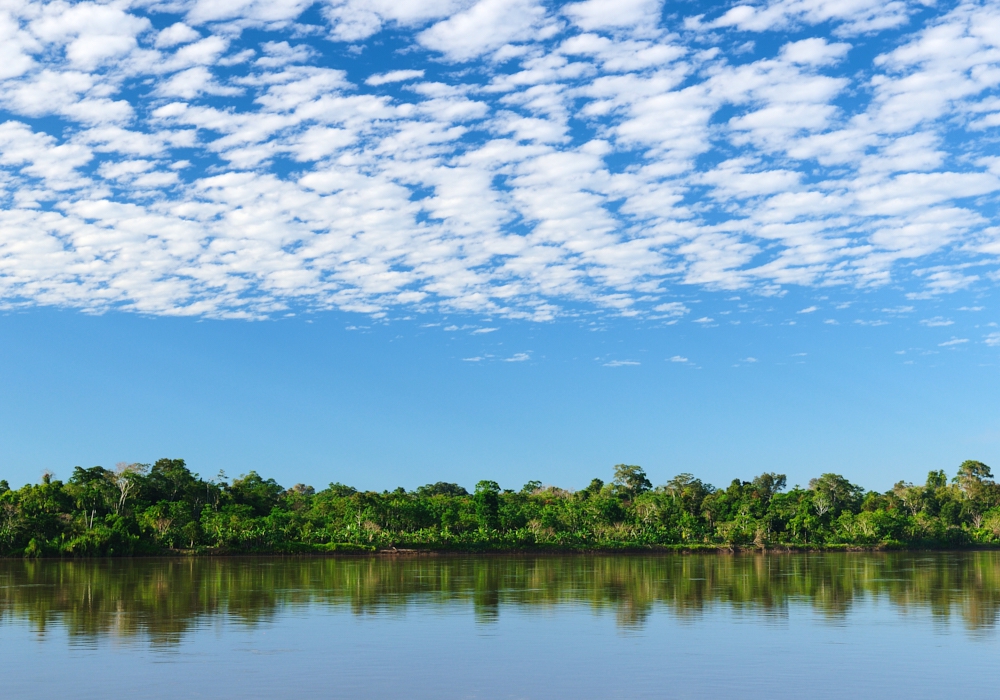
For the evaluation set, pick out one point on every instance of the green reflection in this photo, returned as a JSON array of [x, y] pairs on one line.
[[161, 599]]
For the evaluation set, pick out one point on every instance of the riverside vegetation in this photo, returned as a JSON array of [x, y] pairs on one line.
[[138, 509]]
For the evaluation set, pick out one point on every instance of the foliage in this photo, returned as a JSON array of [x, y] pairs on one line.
[[148, 509]]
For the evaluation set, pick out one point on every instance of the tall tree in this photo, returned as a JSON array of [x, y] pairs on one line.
[[487, 500], [260, 494], [125, 478], [836, 493], [631, 479]]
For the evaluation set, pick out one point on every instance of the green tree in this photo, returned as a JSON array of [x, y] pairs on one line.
[[976, 481], [530, 487], [260, 494], [937, 479], [768, 485], [631, 479], [171, 480], [834, 493], [338, 490], [93, 492], [594, 488], [689, 493], [126, 479], [487, 501], [441, 488]]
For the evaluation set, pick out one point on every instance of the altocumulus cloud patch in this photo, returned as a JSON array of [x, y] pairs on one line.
[[504, 157]]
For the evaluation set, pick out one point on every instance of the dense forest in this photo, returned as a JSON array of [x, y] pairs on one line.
[[162, 508]]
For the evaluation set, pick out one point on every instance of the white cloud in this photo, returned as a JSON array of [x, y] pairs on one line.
[[607, 14], [194, 82], [953, 341], [677, 358], [595, 155], [394, 76], [936, 321], [354, 20], [808, 310], [39, 156], [854, 16], [178, 33], [16, 47], [518, 357], [814, 51], [484, 27], [90, 34], [672, 309], [621, 363], [273, 14], [281, 53]]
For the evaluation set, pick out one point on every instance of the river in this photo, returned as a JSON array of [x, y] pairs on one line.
[[860, 625]]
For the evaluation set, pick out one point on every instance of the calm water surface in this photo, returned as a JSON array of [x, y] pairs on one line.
[[700, 626]]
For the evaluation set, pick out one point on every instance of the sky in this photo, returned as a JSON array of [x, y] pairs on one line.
[[393, 242]]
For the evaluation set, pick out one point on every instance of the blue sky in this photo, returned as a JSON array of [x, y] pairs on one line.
[[392, 242]]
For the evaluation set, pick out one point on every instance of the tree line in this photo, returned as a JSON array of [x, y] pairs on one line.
[[142, 509]]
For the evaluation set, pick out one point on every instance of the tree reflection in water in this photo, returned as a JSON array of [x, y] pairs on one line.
[[163, 598]]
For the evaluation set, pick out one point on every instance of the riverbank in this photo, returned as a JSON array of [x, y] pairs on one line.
[[141, 510], [354, 550]]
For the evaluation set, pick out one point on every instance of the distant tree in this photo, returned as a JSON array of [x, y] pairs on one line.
[[340, 490], [631, 479], [126, 479], [768, 484], [975, 480], [971, 476], [937, 479], [530, 487], [689, 493], [675, 487], [260, 494], [298, 498], [171, 480], [874, 501], [92, 491], [191, 531], [10, 520], [835, 493], [487, 501], [913, 497], [441, 488], [950, 512], [821, 503]]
